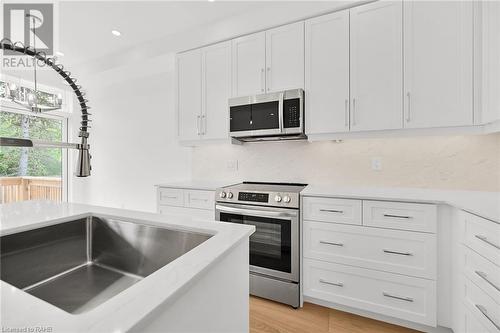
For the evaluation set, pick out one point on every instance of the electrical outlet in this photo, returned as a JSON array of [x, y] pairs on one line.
[[376, 163], [232, 165]]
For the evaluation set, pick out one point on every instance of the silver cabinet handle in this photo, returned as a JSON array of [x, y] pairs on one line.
[[484, 276], [203, 124], [332, 211], [353, 111], [484, 239], [268, 78], [397, 252], [408, 115], [346, 115], [262, 79], [402, 298], [198, 199], [198, 124], [337, 284], [168, 197], [331, 243], [485, 313], [397, 216]]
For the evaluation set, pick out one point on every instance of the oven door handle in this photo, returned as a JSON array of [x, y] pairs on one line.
[[255, 212]]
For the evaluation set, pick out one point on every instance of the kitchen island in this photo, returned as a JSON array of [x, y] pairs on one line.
[[204, 289]]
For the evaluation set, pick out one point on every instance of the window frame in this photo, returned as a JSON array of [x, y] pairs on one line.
[[63, 116]]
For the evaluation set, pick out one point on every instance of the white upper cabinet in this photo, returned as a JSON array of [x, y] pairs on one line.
[[327, 73], [490, 66], [249, 64], [376, 66], [285, 57], [189, 94], [268, 61], [438, 49], [216, 90]]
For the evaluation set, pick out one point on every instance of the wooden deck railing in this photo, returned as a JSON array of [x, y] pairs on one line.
[[14, 189]]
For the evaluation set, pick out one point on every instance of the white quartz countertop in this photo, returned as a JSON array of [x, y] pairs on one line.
[[120, 313], [484, 204], [196, 185]]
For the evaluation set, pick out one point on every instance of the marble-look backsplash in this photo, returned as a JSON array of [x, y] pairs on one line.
[[453, 162]]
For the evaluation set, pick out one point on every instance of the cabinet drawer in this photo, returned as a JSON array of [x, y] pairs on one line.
[[199, 199], [473, 325], [484, 308], [171, 197], [400, 215], [483, 273], [483, 236], [396, 251], [332, 210], [389, 294], [194, 213]]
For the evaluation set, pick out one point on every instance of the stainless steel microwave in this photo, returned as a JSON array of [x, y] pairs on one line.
[[265, 117]]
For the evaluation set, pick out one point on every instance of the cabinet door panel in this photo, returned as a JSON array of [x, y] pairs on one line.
[[438, 63], [327, 73], [189, 94], [249, 62], [216, 90], [376, 66], [285, 57]]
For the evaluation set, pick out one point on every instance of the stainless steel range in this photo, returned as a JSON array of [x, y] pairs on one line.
[[274, 210]]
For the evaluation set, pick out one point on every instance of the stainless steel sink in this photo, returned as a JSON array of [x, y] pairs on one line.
[[80, 264]]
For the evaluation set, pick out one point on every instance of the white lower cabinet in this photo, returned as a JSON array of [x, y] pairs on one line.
[[393, 295], [355, 256], [475, 277], [396, 251], [198, 204]]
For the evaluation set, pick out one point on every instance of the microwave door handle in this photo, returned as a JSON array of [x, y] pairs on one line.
[[280, 110]]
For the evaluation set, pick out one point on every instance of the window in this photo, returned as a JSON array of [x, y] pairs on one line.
[[31, 173]]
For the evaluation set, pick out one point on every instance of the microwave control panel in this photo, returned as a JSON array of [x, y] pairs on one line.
[[291, 113]]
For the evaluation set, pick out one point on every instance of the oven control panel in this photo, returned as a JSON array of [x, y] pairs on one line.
[[275, 199], [254, 197]]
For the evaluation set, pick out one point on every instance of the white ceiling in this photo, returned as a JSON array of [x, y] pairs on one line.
[[85, 26], [158, 27]]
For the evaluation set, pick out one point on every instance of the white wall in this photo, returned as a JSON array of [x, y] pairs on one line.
[[453, 162], [132, 137]]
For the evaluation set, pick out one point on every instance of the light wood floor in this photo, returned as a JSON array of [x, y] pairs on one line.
[[271, 317]]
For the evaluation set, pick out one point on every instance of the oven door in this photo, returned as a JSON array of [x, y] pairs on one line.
[[274, 247]]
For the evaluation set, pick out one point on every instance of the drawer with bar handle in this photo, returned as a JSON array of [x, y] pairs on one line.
[[483, 273], [400, 215], [395, 251], [347, 211], [398, 296], [485, 309], [483, 236], [171, 197], [199, 199]]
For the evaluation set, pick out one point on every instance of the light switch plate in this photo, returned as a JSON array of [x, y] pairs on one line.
[[376, 163], [232, 165]]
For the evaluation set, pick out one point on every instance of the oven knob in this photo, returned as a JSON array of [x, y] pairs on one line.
[[286, 199], [229, 195], [277, 198], [222, 194]]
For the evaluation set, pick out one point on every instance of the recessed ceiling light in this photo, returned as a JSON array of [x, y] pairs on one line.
[[59, 53], [116, 33], [211, 0]]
